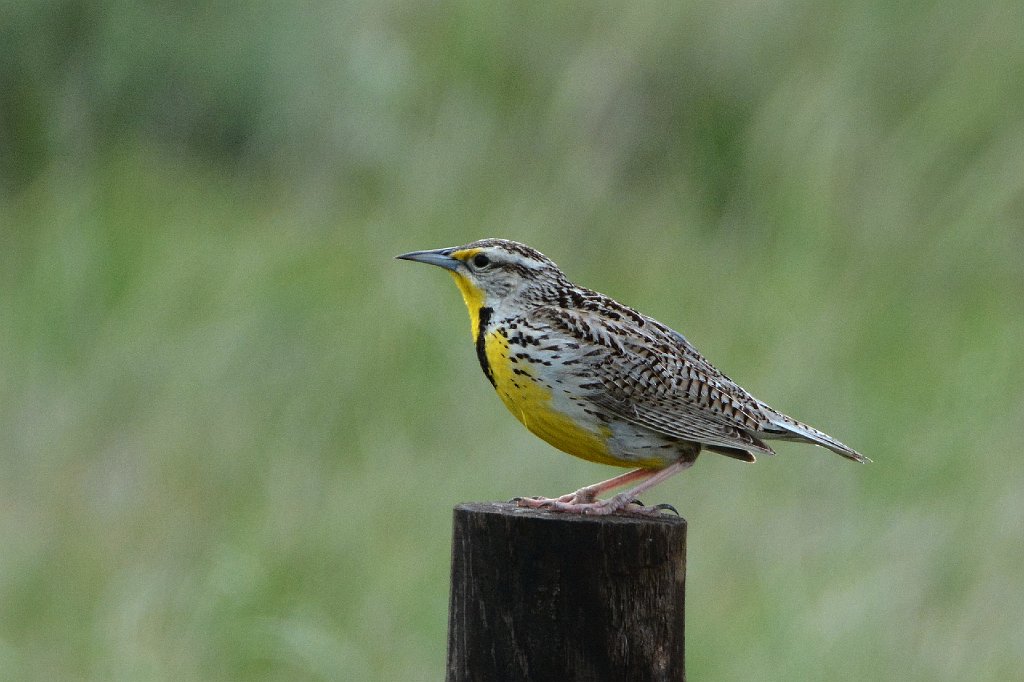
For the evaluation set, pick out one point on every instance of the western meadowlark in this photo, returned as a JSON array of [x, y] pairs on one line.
[[601, 381]]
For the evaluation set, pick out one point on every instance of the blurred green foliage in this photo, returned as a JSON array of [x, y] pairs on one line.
[[232, 428]]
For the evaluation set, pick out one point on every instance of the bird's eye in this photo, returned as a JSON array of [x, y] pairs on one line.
[[481, 261]]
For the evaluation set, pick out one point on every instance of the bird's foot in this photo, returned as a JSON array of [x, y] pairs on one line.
[[585, 495], [583, 502]]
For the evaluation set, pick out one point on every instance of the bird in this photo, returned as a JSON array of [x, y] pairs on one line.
[[601, 381]]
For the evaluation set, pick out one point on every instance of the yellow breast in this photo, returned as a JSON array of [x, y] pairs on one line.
[[531, 402], [529, 399]]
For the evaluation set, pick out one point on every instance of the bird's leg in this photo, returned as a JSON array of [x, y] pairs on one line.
[[613, 504], [591, 492], [588, 493], [626, 498]]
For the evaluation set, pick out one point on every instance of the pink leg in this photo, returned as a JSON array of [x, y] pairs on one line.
[[588, 493], [584, 501]]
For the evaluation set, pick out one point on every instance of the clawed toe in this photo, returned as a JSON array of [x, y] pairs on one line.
[[539, 501], [571, 504]]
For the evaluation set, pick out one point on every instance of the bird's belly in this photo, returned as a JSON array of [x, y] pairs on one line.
[[540, 398]]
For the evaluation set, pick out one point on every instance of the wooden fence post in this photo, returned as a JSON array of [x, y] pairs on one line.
[[539, 595]]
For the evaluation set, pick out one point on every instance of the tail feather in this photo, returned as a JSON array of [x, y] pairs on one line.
[[791, 429]]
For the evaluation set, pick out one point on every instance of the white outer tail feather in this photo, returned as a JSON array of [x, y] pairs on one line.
[[794, 430]]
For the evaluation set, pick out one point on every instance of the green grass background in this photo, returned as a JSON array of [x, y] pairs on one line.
[[232, 428]]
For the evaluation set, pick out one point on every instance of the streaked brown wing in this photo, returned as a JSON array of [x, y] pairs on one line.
[[644, 375]]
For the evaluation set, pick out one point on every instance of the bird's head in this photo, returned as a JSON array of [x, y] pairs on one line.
[[494, 273]]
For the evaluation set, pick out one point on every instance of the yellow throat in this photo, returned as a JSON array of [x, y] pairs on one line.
[[527, 398]]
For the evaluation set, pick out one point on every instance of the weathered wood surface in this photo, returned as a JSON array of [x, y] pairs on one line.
[[541, 595]]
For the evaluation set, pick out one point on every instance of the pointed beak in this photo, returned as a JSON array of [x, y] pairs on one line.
[[439, 257]]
